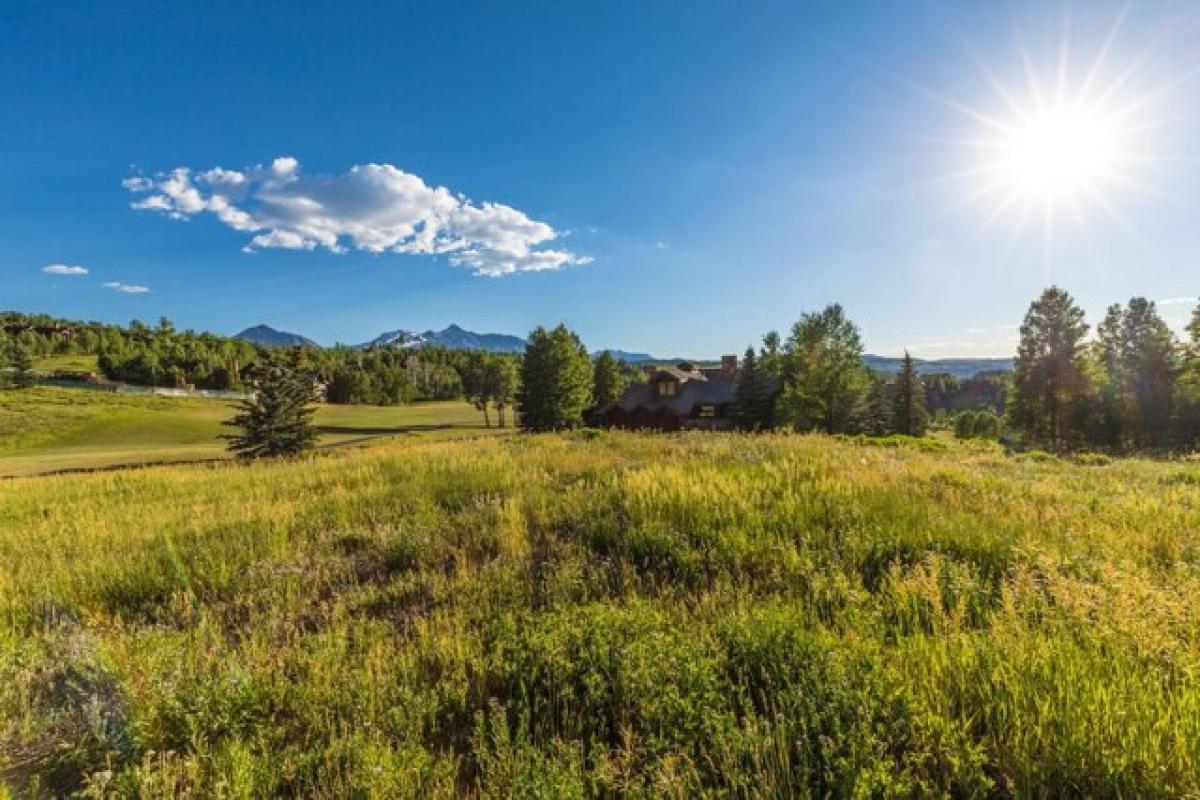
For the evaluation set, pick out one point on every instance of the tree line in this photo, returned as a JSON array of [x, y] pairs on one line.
[[552, 386], [814, 379], [160, 355], [1134, 386]]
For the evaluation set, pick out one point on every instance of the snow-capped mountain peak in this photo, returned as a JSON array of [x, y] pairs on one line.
[[453, 337]]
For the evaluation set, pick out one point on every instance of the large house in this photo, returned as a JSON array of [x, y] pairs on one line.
[[679, 398]]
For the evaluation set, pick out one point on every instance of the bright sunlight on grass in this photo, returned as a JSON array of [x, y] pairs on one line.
[[595, 614], [47, 430]]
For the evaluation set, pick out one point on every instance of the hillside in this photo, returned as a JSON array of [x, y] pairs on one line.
[[452, 337], [46, 430], [268, 336], [958, 367], [608, 614]]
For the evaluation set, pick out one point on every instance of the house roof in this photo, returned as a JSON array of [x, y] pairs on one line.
[[681, 375], [695, 389]]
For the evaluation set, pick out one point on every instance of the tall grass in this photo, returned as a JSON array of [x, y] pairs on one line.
[[614, 615]]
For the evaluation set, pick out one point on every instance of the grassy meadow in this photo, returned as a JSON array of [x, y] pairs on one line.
[[69, 362], [48, 430], [605, 614]]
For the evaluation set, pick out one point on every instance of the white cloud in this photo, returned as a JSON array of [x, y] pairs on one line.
[[1177, 301], [126, 287], [64, 269], [375, 208]]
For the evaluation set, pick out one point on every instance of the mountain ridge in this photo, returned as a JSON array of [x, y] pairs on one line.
[[958, 367], [266, 335], [455, 337], [452, 336]]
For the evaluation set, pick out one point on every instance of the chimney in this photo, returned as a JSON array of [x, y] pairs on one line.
[[728, 368]]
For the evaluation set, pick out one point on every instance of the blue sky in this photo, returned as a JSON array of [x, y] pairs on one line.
[[672, 177]]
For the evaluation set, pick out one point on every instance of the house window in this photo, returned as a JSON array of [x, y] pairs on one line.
[[707, 412], [666, 388]]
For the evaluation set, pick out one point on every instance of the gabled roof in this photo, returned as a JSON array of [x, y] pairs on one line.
[[681, 375], [694, 390]]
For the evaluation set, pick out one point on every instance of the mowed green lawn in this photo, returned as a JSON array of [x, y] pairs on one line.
[[49, 430]]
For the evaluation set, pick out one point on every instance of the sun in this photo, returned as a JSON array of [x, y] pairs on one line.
[[1057, 155], [1072, 140]]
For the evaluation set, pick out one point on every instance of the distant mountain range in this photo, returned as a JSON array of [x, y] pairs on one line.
[[958, 367], [452, 337], [455, 337], [269, 337], [637, 358]]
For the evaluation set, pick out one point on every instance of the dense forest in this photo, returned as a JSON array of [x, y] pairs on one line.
[[161, 355]]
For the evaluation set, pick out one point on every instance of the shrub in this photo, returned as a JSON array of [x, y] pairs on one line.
[[980, 424]]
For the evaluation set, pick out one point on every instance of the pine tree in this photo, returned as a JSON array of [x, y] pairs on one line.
[[908, 402], [556, 381], [1187, 414], [1148, 363], [748, 394], [277, 421], [877, 415], [1110, 413], [22, 365], [1049, 375], [609, 382]]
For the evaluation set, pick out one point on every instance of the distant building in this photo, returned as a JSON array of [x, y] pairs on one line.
[[679, 398], [60, 331]]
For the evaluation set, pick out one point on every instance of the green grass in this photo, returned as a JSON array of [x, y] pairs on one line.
[[47, 430], [69, 362], [605, 615]]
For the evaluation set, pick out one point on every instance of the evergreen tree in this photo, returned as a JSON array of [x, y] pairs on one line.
[[556, 381], [22, 365], [609, 381], [825, 381], [748, 394], [1110, 410], [1049, 377], [277, 421], [908, 401], [877, 415], [1148, 364], [1187, 415]]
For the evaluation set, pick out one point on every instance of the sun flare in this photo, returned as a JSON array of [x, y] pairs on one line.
[[1071, 140], [1057, 154]]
